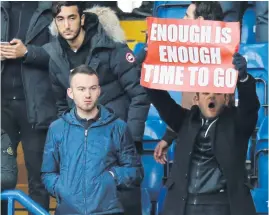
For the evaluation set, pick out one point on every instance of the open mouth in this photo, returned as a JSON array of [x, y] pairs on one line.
[[211, 105]]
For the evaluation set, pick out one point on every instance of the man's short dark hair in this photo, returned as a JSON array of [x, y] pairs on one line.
[[210, 10], [82, 69], [56, 6]]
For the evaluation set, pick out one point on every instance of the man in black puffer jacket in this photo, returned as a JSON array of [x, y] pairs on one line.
[[94, 37]]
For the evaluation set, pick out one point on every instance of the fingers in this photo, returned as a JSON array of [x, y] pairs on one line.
[[163, 159], [8, 55], [15, 41], [8, 48], [156, 152], [160, 154]]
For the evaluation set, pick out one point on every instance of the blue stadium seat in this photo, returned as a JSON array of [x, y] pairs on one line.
[[154, 126], [260, 199], [257, 63], [248, 26], [138, 47], [261, 155], [160, 201], [152, 181], [170, 9], [171, 152], [146, 203]]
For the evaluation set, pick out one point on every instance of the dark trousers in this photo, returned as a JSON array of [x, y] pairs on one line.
[[207, 209], [131, 201], [14, 121]]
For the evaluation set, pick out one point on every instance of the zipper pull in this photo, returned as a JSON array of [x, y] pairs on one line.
[[86, 132]]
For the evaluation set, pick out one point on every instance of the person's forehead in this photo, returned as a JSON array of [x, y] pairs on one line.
[[84, 80], [68, 10]]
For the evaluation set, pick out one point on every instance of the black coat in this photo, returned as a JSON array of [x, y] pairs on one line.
[[233, 130], [119, 79], [41, 109]]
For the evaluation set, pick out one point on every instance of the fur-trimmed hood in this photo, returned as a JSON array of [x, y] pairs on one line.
[[108, 20]]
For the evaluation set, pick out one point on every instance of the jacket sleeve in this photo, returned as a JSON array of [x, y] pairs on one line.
[[172, 113], [37, 56], [129, 172], [50, 165], [169, 135], [127, 70], [9, 170], [248, 107], [58, 91]]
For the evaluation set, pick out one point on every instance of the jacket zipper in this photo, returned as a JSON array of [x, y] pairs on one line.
[[198, 170], [85, 151]]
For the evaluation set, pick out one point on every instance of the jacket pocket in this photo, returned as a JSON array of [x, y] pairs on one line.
[[105, 194]]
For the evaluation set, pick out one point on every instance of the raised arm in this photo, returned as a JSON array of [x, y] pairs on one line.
[[248, 107], [172, 113]]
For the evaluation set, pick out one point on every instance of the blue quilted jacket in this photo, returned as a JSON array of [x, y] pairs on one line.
[[77, 161]]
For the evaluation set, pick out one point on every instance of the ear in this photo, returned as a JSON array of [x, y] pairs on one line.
[[226, 97], [99, 91], [195, 99], [200, 18], [70, 93], [82, 19]]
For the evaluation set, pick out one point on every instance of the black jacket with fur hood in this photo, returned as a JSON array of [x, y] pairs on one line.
[[116, 66]]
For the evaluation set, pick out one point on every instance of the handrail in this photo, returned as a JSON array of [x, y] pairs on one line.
[[16, 195]]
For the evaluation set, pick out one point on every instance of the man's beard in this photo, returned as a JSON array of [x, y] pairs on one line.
[[74, 37]]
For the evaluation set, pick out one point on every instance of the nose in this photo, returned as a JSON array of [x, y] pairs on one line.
[[88, 94], [212, 95], [66, 23]]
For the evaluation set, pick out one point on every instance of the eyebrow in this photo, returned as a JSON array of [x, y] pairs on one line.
[[70, 16]]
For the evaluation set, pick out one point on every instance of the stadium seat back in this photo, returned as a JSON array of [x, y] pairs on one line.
[[155, 127], [248, 26], [160, 201], [138, 47], [170, 9], [261, 155], [260, 199], [146, 203], [152, 181]]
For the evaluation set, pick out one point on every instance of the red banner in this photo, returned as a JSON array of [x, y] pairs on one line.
[[191, 55]]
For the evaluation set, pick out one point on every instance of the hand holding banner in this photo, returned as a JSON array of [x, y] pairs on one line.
[[191, 55]]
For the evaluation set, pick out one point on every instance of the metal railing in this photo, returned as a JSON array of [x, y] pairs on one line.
[[16, 195]]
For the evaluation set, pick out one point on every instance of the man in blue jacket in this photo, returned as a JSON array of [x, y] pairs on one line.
[[89, 153]]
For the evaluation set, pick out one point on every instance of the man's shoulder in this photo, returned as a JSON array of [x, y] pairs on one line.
[[57, 125]]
